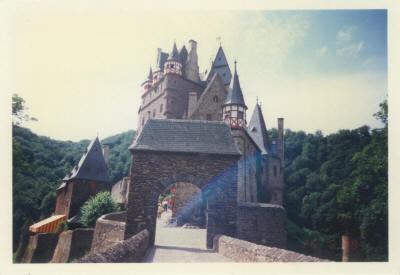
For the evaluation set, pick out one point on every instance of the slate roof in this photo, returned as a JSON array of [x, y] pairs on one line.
[[186, 136], [161, 58], [258, 131], [235, 95], [149, 77], [174, 55], [183, 54], [220, 66], [91, 165]]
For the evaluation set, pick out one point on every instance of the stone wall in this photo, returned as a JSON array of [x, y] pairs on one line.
[[211, 101], [109, 231], [247, 170], [120, 190], [262, 223], [243, 251], [73, 244], [188, 206], [130, 250], [40, 248], [151, 173]]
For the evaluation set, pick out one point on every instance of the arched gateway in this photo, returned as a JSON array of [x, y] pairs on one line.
[[169, 151]]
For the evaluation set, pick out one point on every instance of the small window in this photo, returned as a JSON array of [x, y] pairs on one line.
[[274, 171], [240, 115], [172, 66], [215, 98], [161, 108], [208, 116], [154, 112]]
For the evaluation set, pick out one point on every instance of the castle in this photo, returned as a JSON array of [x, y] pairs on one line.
[[192, 129], [175, 89]]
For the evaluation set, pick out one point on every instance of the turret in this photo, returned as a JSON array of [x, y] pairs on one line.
[[192, 66], [148, 82], [234, 108], [158, 72], [173, 65]]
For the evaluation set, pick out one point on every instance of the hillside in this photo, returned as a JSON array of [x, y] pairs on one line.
[[40, 163], [335, 184]]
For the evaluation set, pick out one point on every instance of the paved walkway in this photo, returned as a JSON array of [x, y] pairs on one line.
[[180, 245]]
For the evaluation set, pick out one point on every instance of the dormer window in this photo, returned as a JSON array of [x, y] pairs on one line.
[[215, 98]]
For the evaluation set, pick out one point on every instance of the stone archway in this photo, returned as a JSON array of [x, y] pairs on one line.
[[152, 172]]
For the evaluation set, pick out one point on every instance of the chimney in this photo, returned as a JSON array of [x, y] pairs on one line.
[[192, 103], [280, 140], [106, 150], [192, 67]]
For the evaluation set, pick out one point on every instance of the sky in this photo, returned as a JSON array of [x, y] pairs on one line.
[[80, 67]]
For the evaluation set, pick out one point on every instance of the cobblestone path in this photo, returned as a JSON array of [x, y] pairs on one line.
[[180, 245]]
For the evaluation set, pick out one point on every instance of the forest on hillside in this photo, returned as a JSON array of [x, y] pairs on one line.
[[335, 184]]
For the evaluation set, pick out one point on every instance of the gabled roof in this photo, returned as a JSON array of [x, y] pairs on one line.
[[258, 131], [215, 81], [91, 165], [235, 95], [220, 66], [186, 136]]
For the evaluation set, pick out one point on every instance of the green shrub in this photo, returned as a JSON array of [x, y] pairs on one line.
[[95, 207], [62, 226]]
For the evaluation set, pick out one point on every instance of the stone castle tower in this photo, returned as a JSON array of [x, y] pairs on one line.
[[175, 89]]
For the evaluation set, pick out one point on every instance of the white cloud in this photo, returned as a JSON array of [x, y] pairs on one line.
[[351, 50], [322, 51], [346, 34]]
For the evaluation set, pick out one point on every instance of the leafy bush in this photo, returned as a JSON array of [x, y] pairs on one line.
[[95, 207], [62, 226]]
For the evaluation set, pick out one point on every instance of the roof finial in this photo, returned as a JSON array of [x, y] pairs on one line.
[[235, 66], [219, 40], [257, 100]]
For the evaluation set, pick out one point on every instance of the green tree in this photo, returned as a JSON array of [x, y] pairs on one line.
[[95, 207], [19, 110]]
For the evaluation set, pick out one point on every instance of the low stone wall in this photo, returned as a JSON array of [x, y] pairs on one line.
[[130, 250], [262, 223], [109, 231], [243, 251], [73, 244], [40, 248]]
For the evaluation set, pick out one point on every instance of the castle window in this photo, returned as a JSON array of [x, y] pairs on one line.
[[274, 171], [208, 116], [172, 66], [215, 98], [161, 108], [240, 115], [154, 112]]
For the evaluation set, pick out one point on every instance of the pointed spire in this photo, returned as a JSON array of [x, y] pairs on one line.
[[258, 130], [150, 76], [220, 66], [235, 95], [174, 53]]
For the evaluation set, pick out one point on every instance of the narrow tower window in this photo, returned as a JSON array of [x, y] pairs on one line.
[[215, 98]]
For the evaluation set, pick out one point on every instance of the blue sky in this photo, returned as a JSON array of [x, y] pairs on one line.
[[320, 70]]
